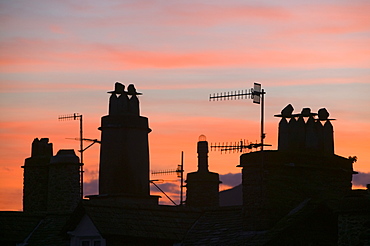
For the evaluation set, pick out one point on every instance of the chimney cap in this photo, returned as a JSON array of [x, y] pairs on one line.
[[65, 156], [118, 88], [202, 138]]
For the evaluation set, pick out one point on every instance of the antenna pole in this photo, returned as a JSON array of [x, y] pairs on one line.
[[169, 198], [258, 96], [77, 116], [82, 162], [182, 178], [180, 174], [262, 117]]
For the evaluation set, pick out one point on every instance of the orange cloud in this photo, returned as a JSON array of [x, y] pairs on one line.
[[57, 29], [37, 86], [339, 19], [211, 14], [31, 55]]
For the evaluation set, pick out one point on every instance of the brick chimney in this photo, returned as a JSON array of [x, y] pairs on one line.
[[64, 181], [36, 176], [276, 181], [124, 151], [202, 185]]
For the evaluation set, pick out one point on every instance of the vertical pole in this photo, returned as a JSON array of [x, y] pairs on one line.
[[76, 116], [82, 162], [182, 178], [262, 117], [262, 172]]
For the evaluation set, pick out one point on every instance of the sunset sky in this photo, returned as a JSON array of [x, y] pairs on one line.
[[61, 57]]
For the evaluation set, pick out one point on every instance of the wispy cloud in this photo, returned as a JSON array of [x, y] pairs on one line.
[[91, 187], [63, 56], [231, 179], [361, 179], [22, 55]]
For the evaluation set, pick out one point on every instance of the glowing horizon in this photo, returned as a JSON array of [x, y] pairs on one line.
[[62, 57]]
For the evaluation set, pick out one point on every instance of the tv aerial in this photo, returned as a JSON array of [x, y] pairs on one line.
[[180, 174], [257, 94], [77, 116], [239, 147]]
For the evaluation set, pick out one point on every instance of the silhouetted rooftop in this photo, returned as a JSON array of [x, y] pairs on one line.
[[137, 220], [15, 226]]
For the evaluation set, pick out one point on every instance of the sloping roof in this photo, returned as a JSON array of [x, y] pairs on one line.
[[222, 226], [33, 228], [232, 197], [310, 221], [139, 221], [50, 231], [355, 201], [16, 226]]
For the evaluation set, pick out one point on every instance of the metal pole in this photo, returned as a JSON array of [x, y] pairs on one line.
[[262, 117], [182, 178], [76, 116], [82, 162], [169, 198]]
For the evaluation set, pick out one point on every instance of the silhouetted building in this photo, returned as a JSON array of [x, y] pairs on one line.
[[202, 185], [274, 182], [354, 218], [299, 194], [51, 183], [36, 176], [124, 152], [64, 181]]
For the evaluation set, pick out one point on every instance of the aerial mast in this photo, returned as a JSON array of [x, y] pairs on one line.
[[77, 116], [256, 93]]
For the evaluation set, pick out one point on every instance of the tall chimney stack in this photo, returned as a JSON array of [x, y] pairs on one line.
[[202, 185], [124, 152]]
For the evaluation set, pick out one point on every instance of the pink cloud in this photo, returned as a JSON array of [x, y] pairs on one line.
[[211, 14], [37, 86], [31, 55], [344, 18], [187, 14], [324, 19], [57, 29]]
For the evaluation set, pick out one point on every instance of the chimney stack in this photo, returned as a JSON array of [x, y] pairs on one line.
[[202, 185], [303, 168], [124, 151], [64, 181], [36, 173]]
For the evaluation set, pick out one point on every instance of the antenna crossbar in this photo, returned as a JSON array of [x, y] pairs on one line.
[[168, 171], [240, 94], [236, 146], [75, 116]]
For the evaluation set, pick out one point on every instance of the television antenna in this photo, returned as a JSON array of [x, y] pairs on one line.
[[180, 174], [77, 116], [256, 93], [240, 146]]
